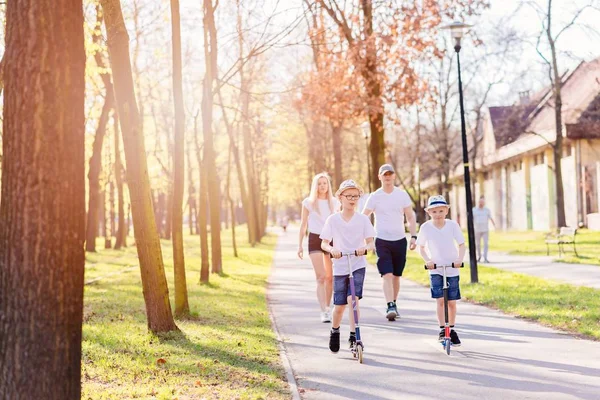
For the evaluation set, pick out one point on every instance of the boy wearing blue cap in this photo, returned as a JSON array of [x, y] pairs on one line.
[[437, 241]]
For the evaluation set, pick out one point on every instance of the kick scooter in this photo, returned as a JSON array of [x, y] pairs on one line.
[[446, 341], [358, 348]]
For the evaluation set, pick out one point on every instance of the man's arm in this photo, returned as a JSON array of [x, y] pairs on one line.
[[411, 218], [491, 219]]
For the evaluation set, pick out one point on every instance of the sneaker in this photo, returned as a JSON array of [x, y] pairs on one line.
[[486, 261], [391, 313], [352, 341], [441, 335], [454, 338], [334, 341], [325, 316], [396, 311]]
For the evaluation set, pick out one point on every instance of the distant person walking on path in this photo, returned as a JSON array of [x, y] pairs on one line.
[[348, 231], [437, 243], [319, 205], [391, 205], [481, 217]]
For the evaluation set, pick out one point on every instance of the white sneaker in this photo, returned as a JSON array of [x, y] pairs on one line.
[[325, 316]]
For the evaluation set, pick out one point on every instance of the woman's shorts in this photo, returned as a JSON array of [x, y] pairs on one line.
[[314, 244], [341, 286], [437, 283]]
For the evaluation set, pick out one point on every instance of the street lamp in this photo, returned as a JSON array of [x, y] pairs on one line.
[[457, 30], [366, 130]]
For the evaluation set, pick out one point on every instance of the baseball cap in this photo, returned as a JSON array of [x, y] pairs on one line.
[[348, 184], [386, 168]]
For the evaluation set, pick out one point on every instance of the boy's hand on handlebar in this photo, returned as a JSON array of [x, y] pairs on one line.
[[335, 253], [362, 251], [430, 264], [457, 264]]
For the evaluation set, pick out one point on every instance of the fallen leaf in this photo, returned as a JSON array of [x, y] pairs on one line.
[[198, 383], [161, 361]]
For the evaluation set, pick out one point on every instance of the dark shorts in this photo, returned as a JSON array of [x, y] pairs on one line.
[[314, 244], [391, 256], [436, 283], [341, 286]]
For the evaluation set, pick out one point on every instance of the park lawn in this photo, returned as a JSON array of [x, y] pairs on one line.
[[532, 243], [566, 307], [226, 349]]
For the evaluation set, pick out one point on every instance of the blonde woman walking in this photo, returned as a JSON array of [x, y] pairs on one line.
[[319, 205]]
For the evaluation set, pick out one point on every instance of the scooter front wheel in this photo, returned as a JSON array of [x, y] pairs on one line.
[[359, 351], [447, 346]]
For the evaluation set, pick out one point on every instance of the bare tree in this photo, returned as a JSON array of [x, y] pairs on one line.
[[154, 282], [181, 298]]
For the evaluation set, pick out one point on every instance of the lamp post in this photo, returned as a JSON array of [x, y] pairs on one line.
[[366, 130], [457, 30]]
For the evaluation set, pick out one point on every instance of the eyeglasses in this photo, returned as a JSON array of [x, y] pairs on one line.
[[351, 196]]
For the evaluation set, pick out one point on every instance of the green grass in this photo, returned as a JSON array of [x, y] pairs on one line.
[[532, 243], [569, 308], [226, 349]]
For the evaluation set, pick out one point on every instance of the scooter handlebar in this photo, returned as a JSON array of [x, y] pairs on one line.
[[354, 253], [435, 266]]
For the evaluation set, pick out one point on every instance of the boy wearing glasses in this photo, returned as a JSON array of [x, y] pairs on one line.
[[391, 205], [350, 231]]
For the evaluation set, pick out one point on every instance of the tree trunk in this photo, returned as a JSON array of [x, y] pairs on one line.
[[192, 208], [42, 213], [96, 160], [181, 296], [238, 166], [111, 214], [121, 230], [558, 145], [94, 174], [202, 212], [214, 196], [230, 200], [336, 139], [154, 282]]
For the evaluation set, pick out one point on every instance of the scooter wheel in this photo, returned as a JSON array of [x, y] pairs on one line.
[[447, 346], [359, 351]]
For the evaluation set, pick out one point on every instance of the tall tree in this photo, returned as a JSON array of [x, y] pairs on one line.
[[202, 210], [96, 160], [209, 162], [181, 298], [551, 34], [42, 214], [154, 282], [382, 37]]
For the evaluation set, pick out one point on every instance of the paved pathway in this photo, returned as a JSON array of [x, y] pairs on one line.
[[501, 358], [546, 267]]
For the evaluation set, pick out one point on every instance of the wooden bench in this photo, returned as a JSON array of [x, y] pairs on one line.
[[566, 235]]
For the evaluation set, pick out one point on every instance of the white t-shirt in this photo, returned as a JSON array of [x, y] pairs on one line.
[[389, 212], [317, 220], [441, 244], [347, 237], [480, 219]]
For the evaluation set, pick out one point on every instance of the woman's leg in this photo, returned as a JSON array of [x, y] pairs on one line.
[[317, 262], [327, 263]]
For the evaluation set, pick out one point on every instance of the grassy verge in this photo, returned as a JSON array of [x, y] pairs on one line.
[[226, 349], [562, 306], [532, 243]]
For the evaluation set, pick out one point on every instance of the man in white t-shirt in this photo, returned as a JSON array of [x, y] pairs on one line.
[[391, 205], [481, 217]]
